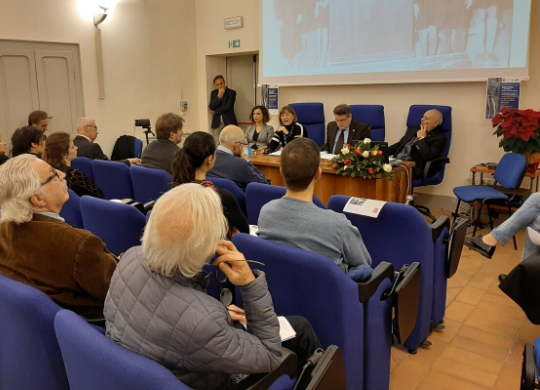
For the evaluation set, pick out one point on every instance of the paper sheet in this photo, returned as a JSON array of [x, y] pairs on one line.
[[327, 156], [286, 331], [278, 153], [361, 206], [534, 236], [253, 230]]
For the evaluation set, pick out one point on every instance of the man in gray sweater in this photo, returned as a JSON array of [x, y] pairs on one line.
[[295, 221], [160, 153]]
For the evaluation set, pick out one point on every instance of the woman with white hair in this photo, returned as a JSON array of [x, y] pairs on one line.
[[157, 305]]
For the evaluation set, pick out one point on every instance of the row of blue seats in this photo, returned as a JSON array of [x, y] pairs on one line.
[[398, 227]]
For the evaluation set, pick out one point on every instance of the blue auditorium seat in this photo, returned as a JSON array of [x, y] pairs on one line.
[[372, 115], [311, 116], [85, 165], [229, 185], [113, 178], [257, 195], [399, 235], [138, 148], [71, 211], [149, 184], [119, 226], [30, 357], [94, 362]]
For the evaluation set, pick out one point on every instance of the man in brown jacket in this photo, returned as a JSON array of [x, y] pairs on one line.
[[38, 248]]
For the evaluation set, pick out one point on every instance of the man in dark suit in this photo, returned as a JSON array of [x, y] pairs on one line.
[[231, 162], [344, 130], [421, 144], [222, 101], [84, 141]]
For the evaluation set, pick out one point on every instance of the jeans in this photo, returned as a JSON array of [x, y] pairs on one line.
[[528, 215]]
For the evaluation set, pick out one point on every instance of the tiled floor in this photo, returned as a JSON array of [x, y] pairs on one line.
[[482, 344]]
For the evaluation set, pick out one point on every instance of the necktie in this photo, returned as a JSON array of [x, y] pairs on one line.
[[340, 142]]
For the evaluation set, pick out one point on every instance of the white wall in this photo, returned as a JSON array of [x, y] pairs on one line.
[[148, 50], [472, 142]]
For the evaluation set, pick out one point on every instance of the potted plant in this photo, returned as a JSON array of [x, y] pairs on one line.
[[520, 134], [363, 160]]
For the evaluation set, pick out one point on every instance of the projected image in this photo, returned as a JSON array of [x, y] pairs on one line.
[[311, 37]]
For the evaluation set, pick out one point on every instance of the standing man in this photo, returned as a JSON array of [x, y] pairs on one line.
[[84, 141], [222, 101], [39, 120], [160, 153], [344, 130]]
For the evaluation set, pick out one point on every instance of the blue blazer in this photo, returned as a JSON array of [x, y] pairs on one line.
[[241, 171]]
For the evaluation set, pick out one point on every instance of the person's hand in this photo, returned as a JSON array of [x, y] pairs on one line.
[[231, 263], [221, 92], [237, 314], [134, 161], [468, 3], [283, 129], [422, 133], [416, 10]]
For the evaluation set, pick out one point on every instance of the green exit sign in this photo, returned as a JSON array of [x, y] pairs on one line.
[[234, 44]]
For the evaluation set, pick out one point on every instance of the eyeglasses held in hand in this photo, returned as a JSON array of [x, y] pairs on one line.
[[225, 295]]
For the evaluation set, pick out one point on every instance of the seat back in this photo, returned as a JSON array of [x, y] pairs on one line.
[[119, 226], [372, 115], [416, 112], [307, 284], [511, 170], [94, 362], [85, 165], [30, 358], [71, 211], [113, 178], [399, 235], [257, 195], [148, 183], [440, 276], [229, 185], [138, 148], [311, 116]]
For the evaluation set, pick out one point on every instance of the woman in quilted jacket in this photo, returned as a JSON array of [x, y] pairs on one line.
[[157, 305], [59, 153]]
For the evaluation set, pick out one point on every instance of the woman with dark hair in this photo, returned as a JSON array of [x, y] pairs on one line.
[[27, 140], [193, 162], [59, 153], [288, 131], [260, 134]]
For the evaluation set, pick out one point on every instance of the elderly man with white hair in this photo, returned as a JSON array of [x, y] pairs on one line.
[[230, 160], [157, 305], [85, 140], [421, 143], [38, 248]]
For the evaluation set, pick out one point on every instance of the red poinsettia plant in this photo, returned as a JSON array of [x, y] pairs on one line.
[[519, 130]]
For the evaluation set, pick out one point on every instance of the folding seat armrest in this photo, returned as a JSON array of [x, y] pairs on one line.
[[445, 160], [438, 227], [368, 288], [288, 366]]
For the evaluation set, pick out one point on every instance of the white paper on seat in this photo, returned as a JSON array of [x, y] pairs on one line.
[[253, 230], [362, 206], [286, 331], [534, 236]]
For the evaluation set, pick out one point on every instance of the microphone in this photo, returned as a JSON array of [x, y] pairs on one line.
[[408, 200]]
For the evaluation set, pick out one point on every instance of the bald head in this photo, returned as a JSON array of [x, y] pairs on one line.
[[432, 119], [233, 137]]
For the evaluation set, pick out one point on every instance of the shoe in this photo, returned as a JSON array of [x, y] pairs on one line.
[[476, 244], [502, 277]]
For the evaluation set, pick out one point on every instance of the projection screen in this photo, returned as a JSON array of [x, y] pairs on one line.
[[318, 42]]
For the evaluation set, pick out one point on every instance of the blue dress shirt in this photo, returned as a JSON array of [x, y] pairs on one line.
[[346, 135]]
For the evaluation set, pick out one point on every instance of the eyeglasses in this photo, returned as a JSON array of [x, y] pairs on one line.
[[94, 126], [55, 174], [241, 143], [225, 295]]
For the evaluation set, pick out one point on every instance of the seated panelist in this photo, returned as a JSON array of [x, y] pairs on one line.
[[157, 305], [260, 134], [344, 130], [37, 248], [289, 130], [421, 143], [296, 221]]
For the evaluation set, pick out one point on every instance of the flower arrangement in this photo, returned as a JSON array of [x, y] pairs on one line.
[[362, 160]]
